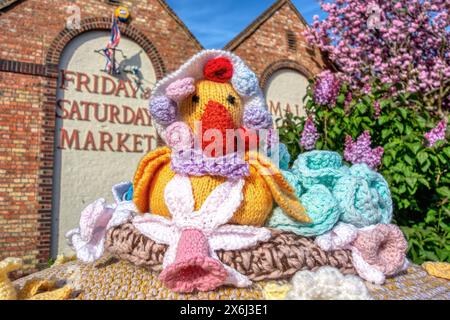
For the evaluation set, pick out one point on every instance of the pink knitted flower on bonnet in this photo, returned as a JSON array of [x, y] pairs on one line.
[[383, 247], [180, 89], [179, 136]]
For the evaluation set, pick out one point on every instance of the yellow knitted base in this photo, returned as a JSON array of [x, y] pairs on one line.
[[276, 290], [7, 290], [43, 289], [33, 289], [438, 269], [116, 280]]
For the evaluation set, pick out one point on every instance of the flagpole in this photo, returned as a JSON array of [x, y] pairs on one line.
[[113, 61], [113, 69]]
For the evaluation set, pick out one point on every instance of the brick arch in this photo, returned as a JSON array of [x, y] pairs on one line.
[[283, 64], [66, 35], [46, 147]]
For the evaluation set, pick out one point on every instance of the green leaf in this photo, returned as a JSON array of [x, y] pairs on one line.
[[362, 108], [367, 100], [411, 181], [414, 147], [422, 156], [444, 191], [426, 166], [400, 127], [408, 159], [386, 133], [424, 182], [291, 136], [442, 159], [387, 160], [383, 119], [446, 151], [403, 112]]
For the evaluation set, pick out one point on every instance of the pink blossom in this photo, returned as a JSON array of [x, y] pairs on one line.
[[326, 88], [377, 108], [359, 151], [348, 98], [436, 134], [415, 29]]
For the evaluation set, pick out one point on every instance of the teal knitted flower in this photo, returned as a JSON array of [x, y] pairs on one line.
[[285, 157], [319, 167], [320, 205], [364, 197]]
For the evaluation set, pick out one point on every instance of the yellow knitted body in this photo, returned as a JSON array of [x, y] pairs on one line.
[[254, 209], [207, 90], [264, 185]]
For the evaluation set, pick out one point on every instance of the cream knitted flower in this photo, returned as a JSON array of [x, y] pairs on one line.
[[327, 283]]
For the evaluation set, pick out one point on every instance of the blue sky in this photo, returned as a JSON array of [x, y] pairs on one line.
[[215, 23]]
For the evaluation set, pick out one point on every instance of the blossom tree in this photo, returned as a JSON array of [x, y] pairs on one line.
[[398, 42]]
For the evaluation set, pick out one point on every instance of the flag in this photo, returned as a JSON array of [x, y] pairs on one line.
[[112, 44], [115, 35]]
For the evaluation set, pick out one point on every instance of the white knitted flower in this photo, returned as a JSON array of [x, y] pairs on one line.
[[327, 283], [96, 219]]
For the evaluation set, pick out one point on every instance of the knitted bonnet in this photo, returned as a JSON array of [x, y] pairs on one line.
[[217, 66]]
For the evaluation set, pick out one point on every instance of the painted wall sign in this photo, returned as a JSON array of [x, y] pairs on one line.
[[103, 126], [284, 92]]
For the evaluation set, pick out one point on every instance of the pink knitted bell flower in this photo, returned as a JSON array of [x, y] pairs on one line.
[[383, 247], [193, 268]]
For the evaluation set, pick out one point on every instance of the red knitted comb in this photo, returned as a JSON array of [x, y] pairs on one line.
[[218, 70]]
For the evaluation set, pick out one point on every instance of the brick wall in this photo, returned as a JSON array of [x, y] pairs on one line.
[[32, 38], [264, 44], [29, 28], [21, 119]]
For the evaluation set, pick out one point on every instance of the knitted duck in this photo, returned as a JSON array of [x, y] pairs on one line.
[[213, 92]]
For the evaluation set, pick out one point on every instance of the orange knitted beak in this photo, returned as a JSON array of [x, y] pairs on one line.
[[217, 117]]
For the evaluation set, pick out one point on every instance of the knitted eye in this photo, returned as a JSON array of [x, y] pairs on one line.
[[231, 99], [195, 98]]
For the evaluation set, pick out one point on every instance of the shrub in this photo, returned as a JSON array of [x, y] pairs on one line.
[[418, 175]]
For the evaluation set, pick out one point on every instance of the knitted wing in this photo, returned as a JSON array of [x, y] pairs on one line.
[[282, 191], [147, 168]]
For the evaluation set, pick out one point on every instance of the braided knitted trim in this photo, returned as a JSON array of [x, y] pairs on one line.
[[194, 162], [279, 258]]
